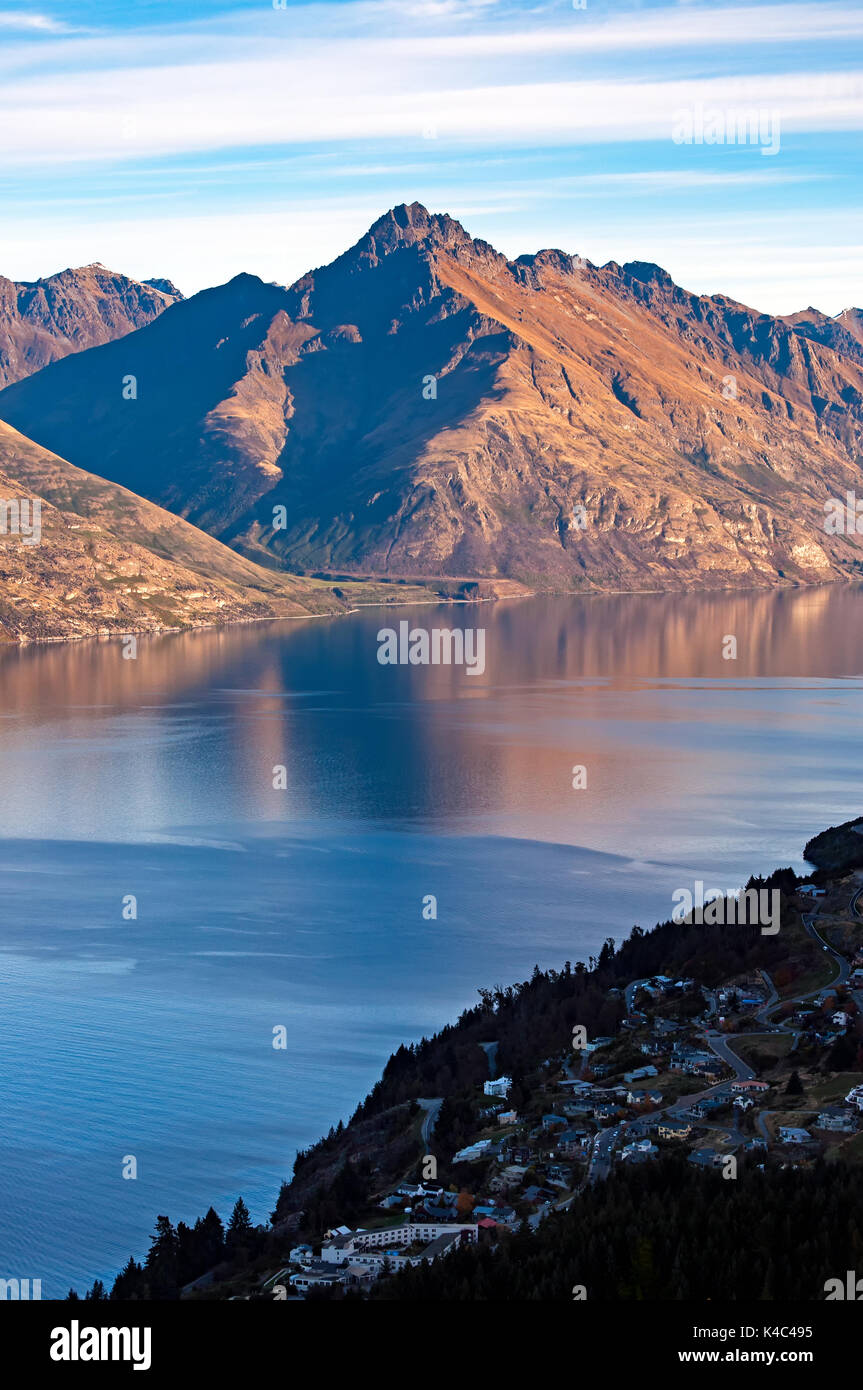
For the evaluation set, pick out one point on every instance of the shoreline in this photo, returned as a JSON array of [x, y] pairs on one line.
[[432, 602]]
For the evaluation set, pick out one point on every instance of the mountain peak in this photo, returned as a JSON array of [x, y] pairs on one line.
[[165, 286], [409, 224], [648, 273]]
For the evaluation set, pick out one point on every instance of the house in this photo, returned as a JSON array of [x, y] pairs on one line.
[[539, 1195], [639, 1147], [809, 890], [337, 1249], [434, 1211], [838, 1118], [743, 1102], [301, 1255], [639, 1074], [500, 1086], [500, 1215], [551, 1121], [558, 1173], [841, 1019], [472, 1152], [578, 1109], [645, 1124], [606, 1111], [788, 1134], [705, 1158], [315, 1278], [572, 1142], [855, 1097], [509, 1117], [707, 1105], [674, 1129], [749, 1087], [664, 1027]]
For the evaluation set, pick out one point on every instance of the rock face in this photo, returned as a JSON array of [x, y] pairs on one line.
[[71, 311], [425, 407], [105, 561]]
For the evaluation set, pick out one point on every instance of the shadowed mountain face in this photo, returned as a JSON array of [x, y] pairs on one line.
[[100, 560], [71, 311], [423, 406]]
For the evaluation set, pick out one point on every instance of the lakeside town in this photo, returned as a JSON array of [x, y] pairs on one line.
[[764, 1069]]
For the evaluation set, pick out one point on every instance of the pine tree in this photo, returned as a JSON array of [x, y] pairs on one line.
[[162, 1260], [240, 1229]]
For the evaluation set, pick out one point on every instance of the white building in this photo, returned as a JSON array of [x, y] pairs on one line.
[[499, 1087], [395, 1236], [855, 1097], [472, 1152]]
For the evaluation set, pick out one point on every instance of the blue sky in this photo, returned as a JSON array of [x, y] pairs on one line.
[[195, 140]]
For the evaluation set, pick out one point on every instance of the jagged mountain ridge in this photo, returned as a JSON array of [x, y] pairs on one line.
[[44, 320], [423, 406]]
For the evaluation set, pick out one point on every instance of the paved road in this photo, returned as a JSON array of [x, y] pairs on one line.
[[840, 961], [629, 992], [599, 1166], [720, 1046], [432, 1109], [763, 1014], [490, 1050]]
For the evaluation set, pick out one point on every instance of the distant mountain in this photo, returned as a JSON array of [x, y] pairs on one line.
[[108, 562], [852, 321], [424, 407], [844, 333], [75, 309]]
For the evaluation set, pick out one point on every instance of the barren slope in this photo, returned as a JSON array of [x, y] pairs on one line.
[[109, 562]]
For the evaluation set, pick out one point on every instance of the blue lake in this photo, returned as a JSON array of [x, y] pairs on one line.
[[302, 907]]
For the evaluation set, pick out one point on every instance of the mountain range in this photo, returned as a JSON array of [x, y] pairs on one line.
[[43, 320], [425, 408]]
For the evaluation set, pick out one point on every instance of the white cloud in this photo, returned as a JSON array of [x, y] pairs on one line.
[[31, 23], [328, 97]]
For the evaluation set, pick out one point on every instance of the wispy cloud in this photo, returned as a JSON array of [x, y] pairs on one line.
[[249, 137], [30, 23], [331, 99]]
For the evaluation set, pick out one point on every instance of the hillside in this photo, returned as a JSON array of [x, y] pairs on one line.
[[109, 562], [425, 407], [44, 320]]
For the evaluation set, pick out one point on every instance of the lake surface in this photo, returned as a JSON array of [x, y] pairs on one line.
[[302, 907]]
